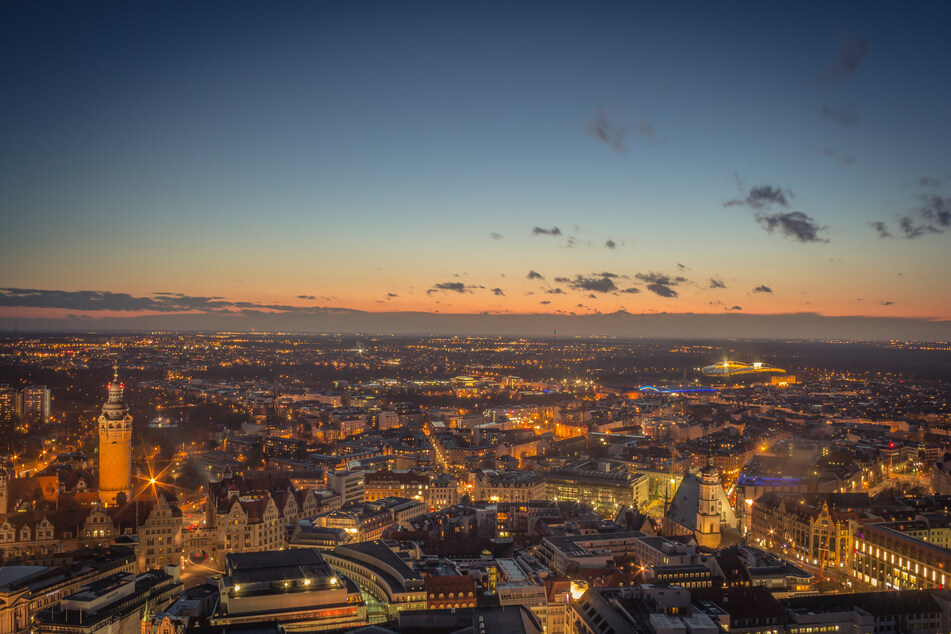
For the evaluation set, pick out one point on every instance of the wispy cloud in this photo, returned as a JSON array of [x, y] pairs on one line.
[[843, 159], [881, 228], [852, 51], [498, 291], [793, 224], [847, 117], [610, 244], [541, 231], [496, 236], [762, 288], [602, 130], [763, 197], [646, 130], [717, 283], [535, 275], [932, 216]]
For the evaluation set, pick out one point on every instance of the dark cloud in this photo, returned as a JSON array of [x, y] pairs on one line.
[[763, 197], [660, 289], [646, 130], [310, 297], [602, 130], [884, 303], [607, 274], [735, 308], [793, 224], [496, 236], [596, 284], [162, 302], [660, 283], [631, 290], [762, 289], [717, 283], [610, 244], [682, 267], [933, 216], [455, 287], [541, 231], [555, 291], [533, 275], [928, 181], [499, 292], [545, 302], [843, 159], [881, 228], [391, 295], [562, 280], [847, 117], [846, 60]]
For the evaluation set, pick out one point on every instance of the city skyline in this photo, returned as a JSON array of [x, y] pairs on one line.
[[477, 168]]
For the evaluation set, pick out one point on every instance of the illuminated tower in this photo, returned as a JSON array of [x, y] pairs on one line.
[[115, 448], [708, 508]]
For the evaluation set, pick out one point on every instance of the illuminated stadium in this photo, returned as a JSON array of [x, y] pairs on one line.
[[729, 369]]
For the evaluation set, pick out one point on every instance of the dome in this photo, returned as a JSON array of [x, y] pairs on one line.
[[709, 470]]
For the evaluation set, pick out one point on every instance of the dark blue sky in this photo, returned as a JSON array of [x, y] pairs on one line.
[[398, 156]]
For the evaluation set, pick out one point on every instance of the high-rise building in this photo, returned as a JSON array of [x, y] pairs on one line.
[[34, 404], [115, 448], [8, 405]]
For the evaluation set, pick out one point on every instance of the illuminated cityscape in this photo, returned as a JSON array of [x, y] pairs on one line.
[[475, 318]]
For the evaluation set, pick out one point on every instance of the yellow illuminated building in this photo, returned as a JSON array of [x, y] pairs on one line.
[[115, 448]]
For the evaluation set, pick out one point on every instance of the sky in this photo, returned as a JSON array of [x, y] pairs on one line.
[[224, 160]]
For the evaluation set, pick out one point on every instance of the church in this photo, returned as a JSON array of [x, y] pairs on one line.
[[701, 509]]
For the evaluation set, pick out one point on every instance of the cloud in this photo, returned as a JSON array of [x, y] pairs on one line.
[[682, 267], [631, 290], [763, 197], [735, 308], [545, 301], [596, 284], [885, 303], [498, 291], [646, 130], [717, 283], [562, 280], [496, 236], [310, 297], [843, 116], [610, 244], [455, 287], [762, 289], [607, 274], [540, 231], [793, 224], [846, 60], [532, 275], [601, 130], [660, 283], [928, 181], [841, 158], [105, 300], [390, 296], [933, 216], [555, 291], [881, 228]]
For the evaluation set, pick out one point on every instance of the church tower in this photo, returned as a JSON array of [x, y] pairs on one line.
[[115, 448], [708, 508]]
